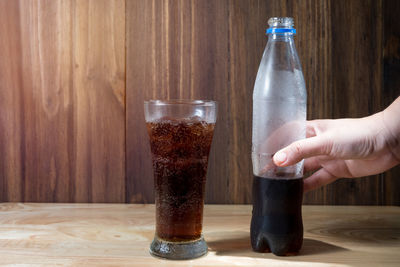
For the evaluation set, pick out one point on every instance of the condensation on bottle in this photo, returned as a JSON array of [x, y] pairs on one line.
[[279, 118]]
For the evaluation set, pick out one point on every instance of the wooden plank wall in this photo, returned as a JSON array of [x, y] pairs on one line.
[[62, 101], [74, 74], [391, 88]]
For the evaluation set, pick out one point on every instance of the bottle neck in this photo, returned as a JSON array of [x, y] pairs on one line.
[[287, 37], [281, 52]]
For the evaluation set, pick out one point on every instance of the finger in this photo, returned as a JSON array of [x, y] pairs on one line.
[[311, 164], [301, 149], [318, 179], [267, 167]]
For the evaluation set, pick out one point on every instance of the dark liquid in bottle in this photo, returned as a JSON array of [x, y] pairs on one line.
[[180, 150], [276, 224]]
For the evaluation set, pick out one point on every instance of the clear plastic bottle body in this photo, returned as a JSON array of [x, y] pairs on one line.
[[279, 118], [279, 106]]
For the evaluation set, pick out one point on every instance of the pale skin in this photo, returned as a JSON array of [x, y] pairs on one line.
[[346, 148]]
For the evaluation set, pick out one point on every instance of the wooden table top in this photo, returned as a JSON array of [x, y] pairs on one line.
[[120, 235]]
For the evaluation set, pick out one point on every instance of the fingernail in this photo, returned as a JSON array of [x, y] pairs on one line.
[[280, 157]]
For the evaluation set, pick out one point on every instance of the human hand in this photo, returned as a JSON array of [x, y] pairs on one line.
[[345, 148]]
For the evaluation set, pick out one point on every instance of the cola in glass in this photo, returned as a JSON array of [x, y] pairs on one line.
[[180, 151], [180, 134]]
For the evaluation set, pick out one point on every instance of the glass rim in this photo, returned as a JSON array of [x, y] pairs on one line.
[[182, 102]]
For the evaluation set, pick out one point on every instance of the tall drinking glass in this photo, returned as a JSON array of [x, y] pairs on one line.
[[180, 134]]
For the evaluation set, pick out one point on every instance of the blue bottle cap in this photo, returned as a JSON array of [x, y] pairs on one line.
[[280, 30]]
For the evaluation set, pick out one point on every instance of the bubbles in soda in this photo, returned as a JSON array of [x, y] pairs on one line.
[[180, 150]]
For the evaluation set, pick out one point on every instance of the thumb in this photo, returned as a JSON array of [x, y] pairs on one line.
[[301, 149]]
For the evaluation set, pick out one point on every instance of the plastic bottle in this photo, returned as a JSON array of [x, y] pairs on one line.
[[279, 118]]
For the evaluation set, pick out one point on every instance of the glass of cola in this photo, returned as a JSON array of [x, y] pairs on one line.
[[180, 133]]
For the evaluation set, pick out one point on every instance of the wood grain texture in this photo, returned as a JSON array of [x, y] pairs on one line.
[[200, 50], [211, 49], [11, 114], [120, 235], [356, 92], [62, 101], [66, 136], [174, 60], [391, 87]]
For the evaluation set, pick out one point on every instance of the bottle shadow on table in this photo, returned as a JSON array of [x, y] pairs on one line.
[[240, 246]]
